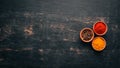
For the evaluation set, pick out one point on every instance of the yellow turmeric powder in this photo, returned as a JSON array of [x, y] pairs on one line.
[[98, 43]]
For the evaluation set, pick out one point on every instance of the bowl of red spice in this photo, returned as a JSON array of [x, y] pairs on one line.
[[86, 34], [100, 28]]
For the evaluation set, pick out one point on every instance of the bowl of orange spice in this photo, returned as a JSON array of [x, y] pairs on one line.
[[98, 43], [100, 28]]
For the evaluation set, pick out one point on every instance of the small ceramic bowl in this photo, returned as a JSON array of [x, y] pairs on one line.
[[98, 43], [86, 34], [100, 28]]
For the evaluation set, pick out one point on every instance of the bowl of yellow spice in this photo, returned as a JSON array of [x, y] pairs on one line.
[[98, 43]]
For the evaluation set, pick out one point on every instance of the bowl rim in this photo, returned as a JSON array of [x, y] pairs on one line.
[[98, 33], [82, 37]]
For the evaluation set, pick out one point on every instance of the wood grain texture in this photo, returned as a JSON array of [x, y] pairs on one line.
[[45, 33]]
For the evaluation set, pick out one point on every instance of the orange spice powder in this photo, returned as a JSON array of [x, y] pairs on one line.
[[98, 43]]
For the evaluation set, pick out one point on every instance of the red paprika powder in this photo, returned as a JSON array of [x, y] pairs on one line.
[[100, 28]]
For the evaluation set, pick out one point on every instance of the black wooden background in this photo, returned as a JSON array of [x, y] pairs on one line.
[[45, 33]]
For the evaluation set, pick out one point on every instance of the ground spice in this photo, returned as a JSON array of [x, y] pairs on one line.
[[86, 34], [100, 28], [98, 43]]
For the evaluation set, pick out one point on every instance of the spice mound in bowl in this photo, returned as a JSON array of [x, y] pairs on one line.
[[98, 43], [86, 34], [100, 28]]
